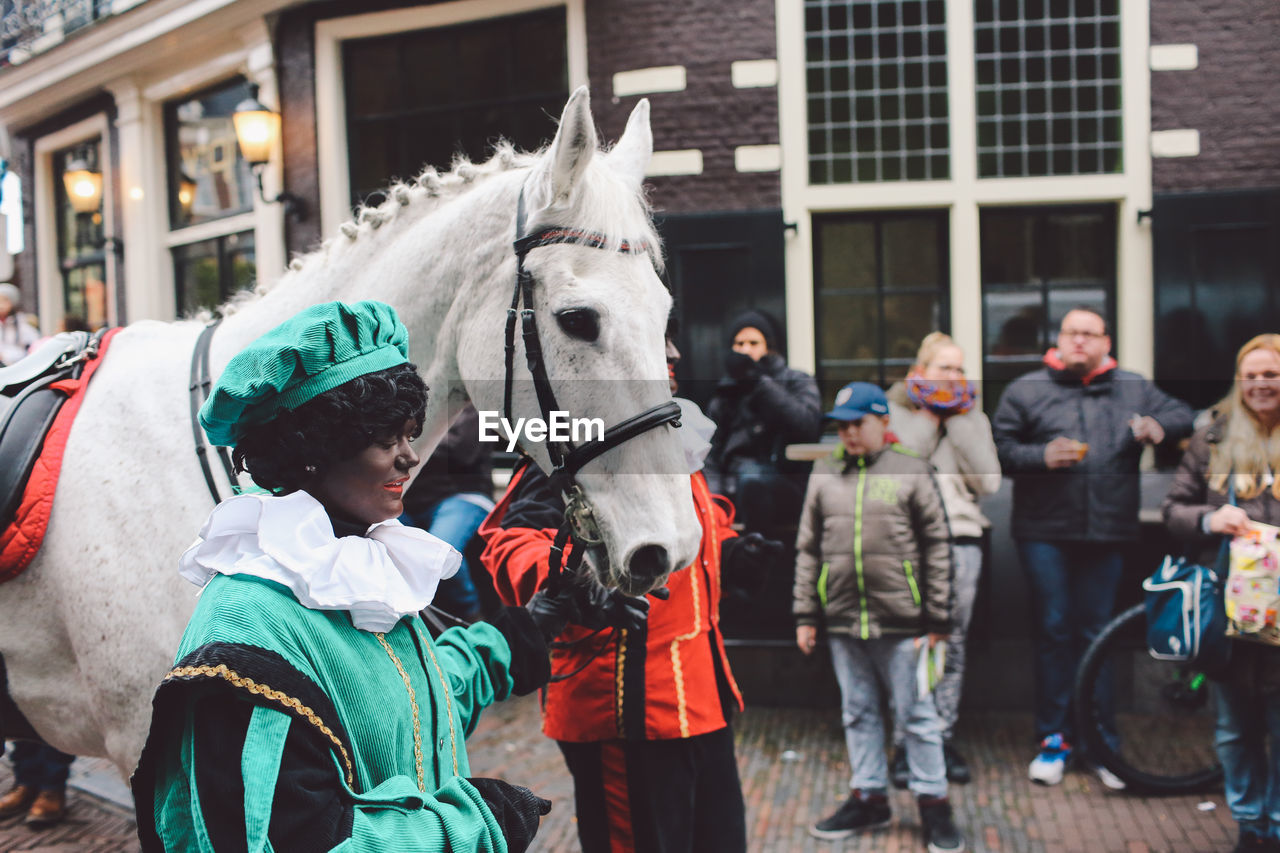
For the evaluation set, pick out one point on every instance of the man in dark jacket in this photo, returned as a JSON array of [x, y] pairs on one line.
[[761, 406], [1071, 435]]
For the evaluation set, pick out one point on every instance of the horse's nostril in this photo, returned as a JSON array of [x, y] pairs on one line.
[[648, 563]]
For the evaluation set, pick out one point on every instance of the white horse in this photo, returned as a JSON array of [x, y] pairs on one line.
[[91, 627]]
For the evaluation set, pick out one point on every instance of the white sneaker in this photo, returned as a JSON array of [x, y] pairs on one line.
[[1109, 779], [1047, 767]]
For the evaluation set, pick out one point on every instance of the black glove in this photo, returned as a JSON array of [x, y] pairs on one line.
[[600, 608], [552, 613], [516, 809], [586, 604], [747, 560], [741, 367]]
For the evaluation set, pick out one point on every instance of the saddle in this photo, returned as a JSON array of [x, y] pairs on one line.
[[29, 401]]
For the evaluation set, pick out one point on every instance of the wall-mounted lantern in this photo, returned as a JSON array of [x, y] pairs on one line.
[[257, 131]]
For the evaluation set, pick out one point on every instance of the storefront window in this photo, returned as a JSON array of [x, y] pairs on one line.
[[208, 178], [81, 244]]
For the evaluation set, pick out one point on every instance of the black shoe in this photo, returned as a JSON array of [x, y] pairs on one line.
[[939, 829], [1251, 842], [855, 815], [899, 774], [957, 767]]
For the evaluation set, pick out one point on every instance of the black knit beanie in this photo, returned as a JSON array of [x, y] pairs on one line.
[[756, 320]]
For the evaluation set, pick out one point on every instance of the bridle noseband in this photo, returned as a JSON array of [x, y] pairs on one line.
[[566, 459]]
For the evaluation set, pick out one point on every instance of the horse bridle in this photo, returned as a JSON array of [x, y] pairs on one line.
[[567, 459]]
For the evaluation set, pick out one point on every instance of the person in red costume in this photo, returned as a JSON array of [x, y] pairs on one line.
[[645, 726]]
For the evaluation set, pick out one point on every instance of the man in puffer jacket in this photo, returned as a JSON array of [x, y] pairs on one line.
[[1070, 435], [873, 563]]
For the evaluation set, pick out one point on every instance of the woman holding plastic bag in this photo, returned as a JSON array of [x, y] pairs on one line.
[[1241, 446]]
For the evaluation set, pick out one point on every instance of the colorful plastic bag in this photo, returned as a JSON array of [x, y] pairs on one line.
[[1253, 585]]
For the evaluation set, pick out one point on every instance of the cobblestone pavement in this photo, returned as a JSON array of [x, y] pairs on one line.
[[794, 772]]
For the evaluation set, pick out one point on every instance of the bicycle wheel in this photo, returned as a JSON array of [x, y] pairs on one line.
[[1148, 721]]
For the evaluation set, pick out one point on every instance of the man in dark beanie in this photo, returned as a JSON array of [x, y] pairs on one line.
[[761, 406]]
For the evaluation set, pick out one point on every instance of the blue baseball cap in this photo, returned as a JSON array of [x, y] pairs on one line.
[[858, 399]]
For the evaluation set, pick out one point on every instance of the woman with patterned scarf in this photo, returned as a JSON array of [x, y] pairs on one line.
[[935, 413]]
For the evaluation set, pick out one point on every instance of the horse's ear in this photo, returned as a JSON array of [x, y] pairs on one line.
[[630, 157], [571, 150]]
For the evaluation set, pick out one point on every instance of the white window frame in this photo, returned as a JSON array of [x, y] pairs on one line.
[[49, 282], [331, 126], [965, 194]]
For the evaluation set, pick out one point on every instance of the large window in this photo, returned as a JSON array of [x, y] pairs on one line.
[[208, 177], [417, 98], [210, 191], [881, 283], [877, 90], [1048, 87], [81, 242], [1037, 264]]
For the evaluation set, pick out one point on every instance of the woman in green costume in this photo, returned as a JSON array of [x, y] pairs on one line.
[[309, 708]]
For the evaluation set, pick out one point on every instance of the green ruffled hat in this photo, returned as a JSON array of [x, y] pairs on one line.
[[314, 351]]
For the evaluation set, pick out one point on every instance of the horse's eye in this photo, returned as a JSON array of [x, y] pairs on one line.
[[580, 323]]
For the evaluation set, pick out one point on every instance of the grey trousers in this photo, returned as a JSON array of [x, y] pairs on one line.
[[865, 669]]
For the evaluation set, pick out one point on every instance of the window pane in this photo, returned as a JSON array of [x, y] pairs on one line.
[[849, 254], [208, 178], [208, 273], [892, 83], [881, 283], [85, 295], [1047, 60], [905, 265], [415, 99], [1038, 264]]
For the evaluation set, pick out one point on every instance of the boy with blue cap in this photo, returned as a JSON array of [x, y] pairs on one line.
[[879, 579]]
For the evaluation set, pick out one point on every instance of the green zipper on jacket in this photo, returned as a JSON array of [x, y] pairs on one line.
[[857, 546], [822, 584], [911, 582]]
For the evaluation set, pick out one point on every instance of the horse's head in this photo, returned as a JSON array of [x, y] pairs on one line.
[[601, 314]]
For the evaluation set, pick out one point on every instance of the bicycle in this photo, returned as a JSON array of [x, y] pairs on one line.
[[1162, 739]]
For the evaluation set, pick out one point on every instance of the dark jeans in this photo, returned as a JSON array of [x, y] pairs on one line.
[[41, 767], [1073, 594], [658, 796], [1252, 779]]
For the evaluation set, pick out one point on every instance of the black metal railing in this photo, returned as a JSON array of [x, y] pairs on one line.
[[31, 27]]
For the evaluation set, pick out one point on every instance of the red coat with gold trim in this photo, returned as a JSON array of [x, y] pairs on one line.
[[672, 681]]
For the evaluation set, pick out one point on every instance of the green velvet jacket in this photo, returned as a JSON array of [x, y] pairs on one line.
[[283, 728]]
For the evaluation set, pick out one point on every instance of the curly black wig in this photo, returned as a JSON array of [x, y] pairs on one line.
[[330, 427]]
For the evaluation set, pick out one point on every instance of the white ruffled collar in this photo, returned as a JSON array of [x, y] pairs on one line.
[[379, 578]]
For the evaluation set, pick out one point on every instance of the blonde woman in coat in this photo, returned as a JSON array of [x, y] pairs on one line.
[[935, 413]]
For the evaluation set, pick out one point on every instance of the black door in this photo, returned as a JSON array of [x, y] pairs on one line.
[[719, 265], [1217, 284]]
